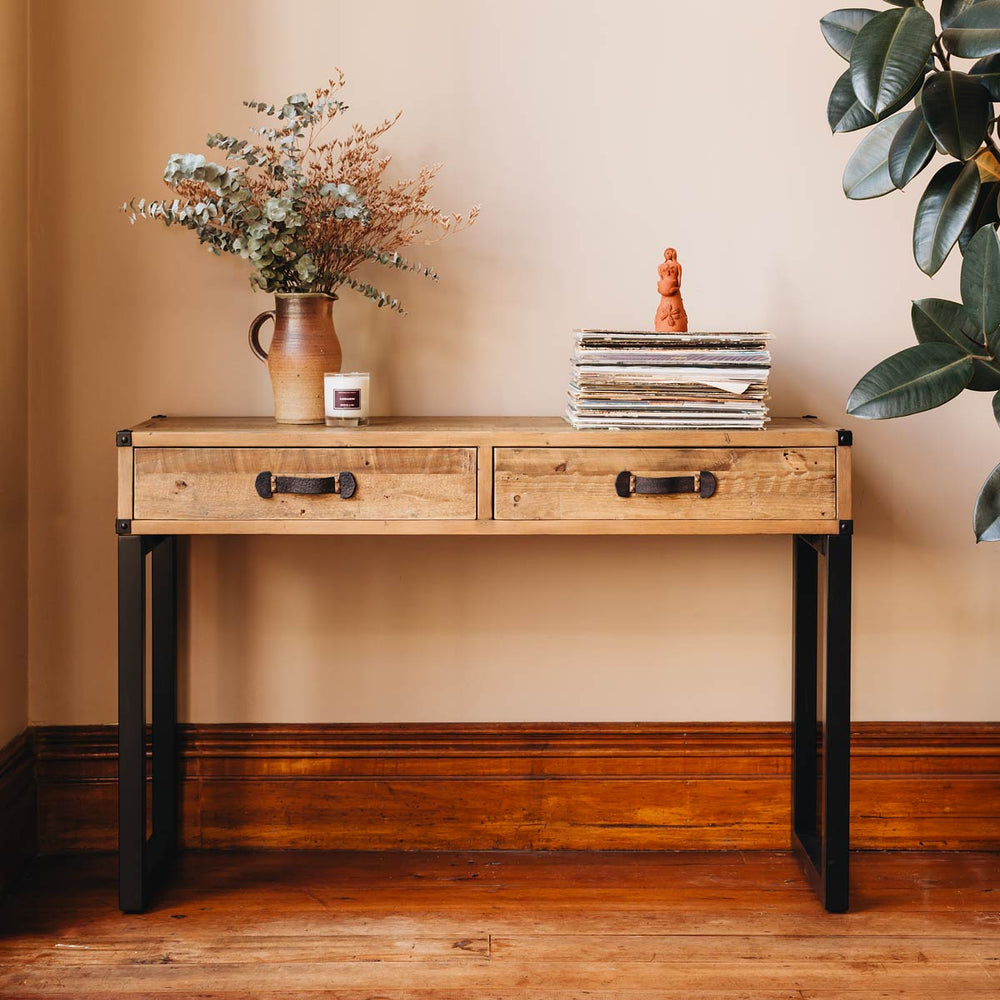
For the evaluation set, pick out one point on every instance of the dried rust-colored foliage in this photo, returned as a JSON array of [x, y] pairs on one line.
[[306, 209]]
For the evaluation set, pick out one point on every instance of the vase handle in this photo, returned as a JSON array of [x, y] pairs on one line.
[[254, 335]]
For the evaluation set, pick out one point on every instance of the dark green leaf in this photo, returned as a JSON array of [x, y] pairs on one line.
[[981, 281], [985, 376], [849, 117], [975, 32], [841, 27], [987, 72], [996, 408], [911, 381], [911, 149], [889, 55], [951, 9], [987, 517], [902, 3], [956, 107], [942, 213], [867, 172], [993, 340], [984, 214], [938, 321], [844, 111]]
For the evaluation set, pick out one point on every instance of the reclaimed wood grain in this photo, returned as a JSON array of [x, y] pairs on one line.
[[125, 473], [460, 431], [754, 484], [484, 484], [194, 475], [479, 527], [845, 488], [218, 483]]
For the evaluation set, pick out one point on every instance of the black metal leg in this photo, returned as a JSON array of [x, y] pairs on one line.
[[165, 784], [821, 820], [141, 860], [805, 611], [837, 726], [131, 723]]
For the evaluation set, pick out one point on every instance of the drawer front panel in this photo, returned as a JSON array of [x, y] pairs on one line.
[[392, 484], [552, 484]]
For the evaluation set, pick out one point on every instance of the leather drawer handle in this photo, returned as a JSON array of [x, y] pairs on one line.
[[268, 484], [702, 483]]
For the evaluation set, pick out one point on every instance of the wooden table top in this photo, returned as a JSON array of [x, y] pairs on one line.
[[781, 432]]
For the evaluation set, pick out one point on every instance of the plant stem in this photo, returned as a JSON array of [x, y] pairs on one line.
[[941, 54], [985, 344]]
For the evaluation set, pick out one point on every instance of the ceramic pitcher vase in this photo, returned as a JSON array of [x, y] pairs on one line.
[[303, 347]]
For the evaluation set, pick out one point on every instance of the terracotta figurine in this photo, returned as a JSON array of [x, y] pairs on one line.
[[670, 316]]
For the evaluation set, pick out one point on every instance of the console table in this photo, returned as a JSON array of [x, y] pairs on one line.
[[483, 476]]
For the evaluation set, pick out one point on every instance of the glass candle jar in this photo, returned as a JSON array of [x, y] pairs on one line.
[[346, 398]]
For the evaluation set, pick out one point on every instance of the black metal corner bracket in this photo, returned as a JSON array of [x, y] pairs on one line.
[[123, 439], [123, 526], [845, 438], [846, 527]]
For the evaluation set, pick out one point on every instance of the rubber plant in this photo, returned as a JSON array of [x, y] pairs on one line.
[[926, 90]]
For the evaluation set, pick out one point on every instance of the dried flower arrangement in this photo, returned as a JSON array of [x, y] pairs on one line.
[[305, 210]]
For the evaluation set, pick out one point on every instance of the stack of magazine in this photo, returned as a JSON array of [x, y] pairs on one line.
[[631, 379]]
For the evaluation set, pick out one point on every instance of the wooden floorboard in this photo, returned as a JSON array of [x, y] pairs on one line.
[[499, 926]]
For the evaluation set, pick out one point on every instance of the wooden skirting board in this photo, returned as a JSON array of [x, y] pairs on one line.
[[607, 786], [18, 808]]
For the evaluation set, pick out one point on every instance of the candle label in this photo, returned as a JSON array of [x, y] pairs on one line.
[[347, 399]]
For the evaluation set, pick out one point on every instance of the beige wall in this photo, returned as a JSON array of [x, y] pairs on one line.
[[593, 134], [13, 368]]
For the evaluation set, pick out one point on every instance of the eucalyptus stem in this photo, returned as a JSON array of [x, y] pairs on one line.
[[303, 211]]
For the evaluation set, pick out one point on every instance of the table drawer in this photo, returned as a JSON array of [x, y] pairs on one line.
[[392, 484], [551, 484]]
